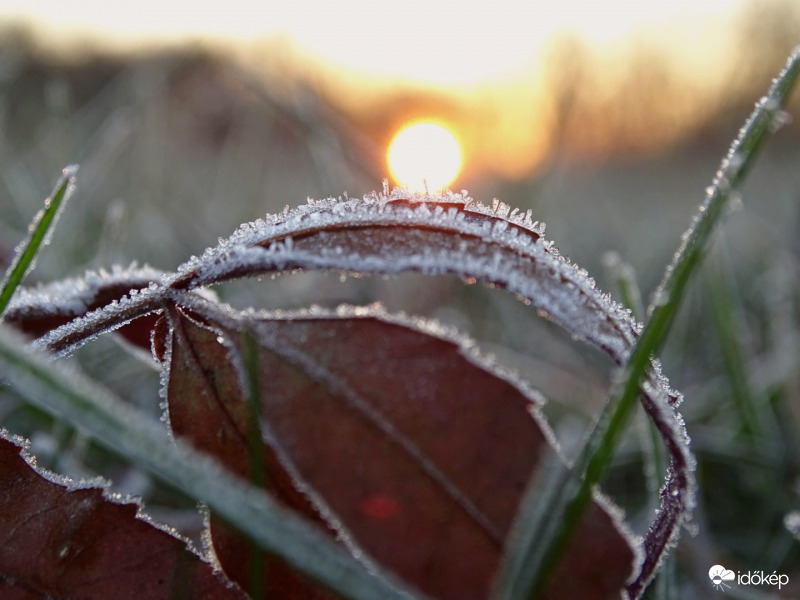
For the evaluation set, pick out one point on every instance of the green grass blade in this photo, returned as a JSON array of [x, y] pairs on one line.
[[536, 545], [71, 396], [40, 229], [624, 276], [733, 362]]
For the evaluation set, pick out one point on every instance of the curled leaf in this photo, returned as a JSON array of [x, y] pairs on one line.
[[386, 234], [435, 234]]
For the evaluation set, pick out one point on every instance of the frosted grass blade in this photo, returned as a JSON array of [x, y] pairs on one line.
[[40, 229], [70, 395], [536, 545]]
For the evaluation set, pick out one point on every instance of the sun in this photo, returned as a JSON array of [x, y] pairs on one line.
[[424, 156]]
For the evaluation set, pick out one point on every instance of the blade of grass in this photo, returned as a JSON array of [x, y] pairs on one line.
[[40, 229], [726, 326], [541, 531], [623, 274], [70, 395]]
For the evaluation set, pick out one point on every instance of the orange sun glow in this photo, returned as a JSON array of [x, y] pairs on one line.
[[424, 156]]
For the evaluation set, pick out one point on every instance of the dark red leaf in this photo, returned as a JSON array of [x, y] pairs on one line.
[[58, 541], [206, 407], [38, 311], [404, 442]]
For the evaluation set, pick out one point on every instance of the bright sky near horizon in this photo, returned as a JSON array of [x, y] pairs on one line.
[[489, 59], [425, 40]]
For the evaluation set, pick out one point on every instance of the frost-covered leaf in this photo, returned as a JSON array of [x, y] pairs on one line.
[[394, 434], [444, 233], [38, 310], [452, 234], [62, 539], [435, 234], [392, 233]]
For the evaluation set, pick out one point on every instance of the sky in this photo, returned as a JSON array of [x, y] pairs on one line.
[[440, 41], [488, 58]]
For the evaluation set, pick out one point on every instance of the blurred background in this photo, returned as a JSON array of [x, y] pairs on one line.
[[607, 120]]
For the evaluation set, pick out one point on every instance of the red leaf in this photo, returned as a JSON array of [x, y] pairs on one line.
[[63, 542], [206, 407], [410, 447], [37, 311]]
